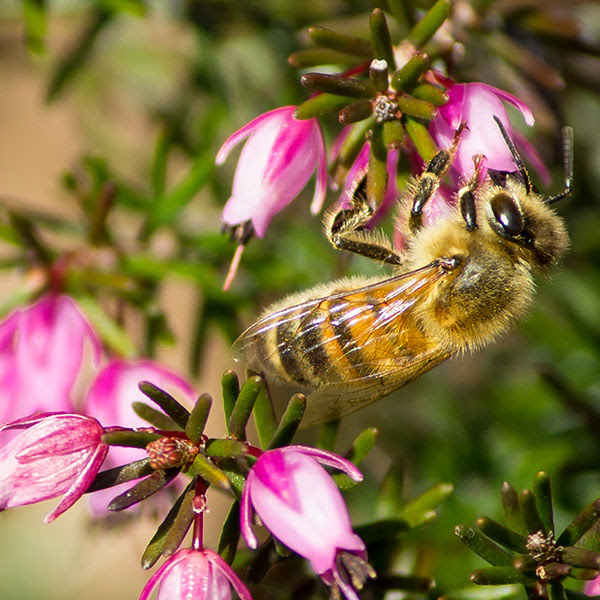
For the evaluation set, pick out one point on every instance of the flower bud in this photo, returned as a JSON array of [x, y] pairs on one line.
[[58, 453], [198, 574]]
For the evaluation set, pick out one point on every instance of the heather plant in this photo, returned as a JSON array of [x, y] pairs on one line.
[[370, 505]]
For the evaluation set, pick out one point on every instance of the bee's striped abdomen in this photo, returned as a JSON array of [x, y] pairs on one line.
[[326, 346]]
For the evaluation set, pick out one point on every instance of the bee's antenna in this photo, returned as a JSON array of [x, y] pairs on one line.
[[567, 137], [516, 156]]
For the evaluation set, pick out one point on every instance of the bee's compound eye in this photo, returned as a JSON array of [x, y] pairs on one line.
[[507, 213]]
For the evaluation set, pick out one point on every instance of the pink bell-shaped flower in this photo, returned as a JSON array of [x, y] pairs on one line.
[[41, 355], [58, 453], [197, 574], [300, 504], [476, 104], [358, 172], [279, 157]]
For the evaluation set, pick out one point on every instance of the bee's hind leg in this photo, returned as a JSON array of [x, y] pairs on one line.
[[347, 230]]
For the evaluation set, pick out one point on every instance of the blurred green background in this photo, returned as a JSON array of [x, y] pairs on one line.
[[141, 95]]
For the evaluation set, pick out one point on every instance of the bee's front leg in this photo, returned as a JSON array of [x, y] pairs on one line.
[[428, 182], [466, 196]]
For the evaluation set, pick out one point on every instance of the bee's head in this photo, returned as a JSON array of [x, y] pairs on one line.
[[518, 214], [523, 219]]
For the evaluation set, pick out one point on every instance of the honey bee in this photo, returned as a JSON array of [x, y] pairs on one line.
[[459, 284]]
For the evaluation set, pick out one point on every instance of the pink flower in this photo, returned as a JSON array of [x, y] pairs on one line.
[[275, 164], [299, 503], [58, 453], [197, 574], [477, 104], [358, 172], [41, 353], [109, 399]]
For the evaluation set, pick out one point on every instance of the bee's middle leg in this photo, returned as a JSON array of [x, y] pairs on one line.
[[346, 230]]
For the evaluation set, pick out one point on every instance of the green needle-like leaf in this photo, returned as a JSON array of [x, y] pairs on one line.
[[112, 334], [198, 417], [155, 417], [354, 141], [230, 533], [322, 104], [484, 547], [431, 93], [174, 409], [380, 37], [353, 113], [182, 521], [542, 490], [224, 448], [166, 208], [321, 36], [154, 548], [328, 435], [580, 557], [498, 576], [243, 407], [580, 524], [422, 32], [512, 509], [421, 139], [389, 500], [379, 531], [532, 519], [211, 473], [117, 475], [264, 416], [129, 438], [414, 107], [35, 17], [361, 446], [501, 534], [312, 57], [230, 389], [377, 170], [410, 72], [79, 53], [144, 489], [418, 511], [290, 421]]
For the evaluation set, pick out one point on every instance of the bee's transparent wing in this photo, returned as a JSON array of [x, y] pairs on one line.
[[330, 402], [366, 340]]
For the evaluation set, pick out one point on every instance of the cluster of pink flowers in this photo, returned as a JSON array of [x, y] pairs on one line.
[[42, 350], [59, 451]]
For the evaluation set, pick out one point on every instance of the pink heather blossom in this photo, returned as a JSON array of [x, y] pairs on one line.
[[58, 453], [299, 503], [197, 574], [110, 398], [275, 164], [476, 104], [358, 172], [41, 354]]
